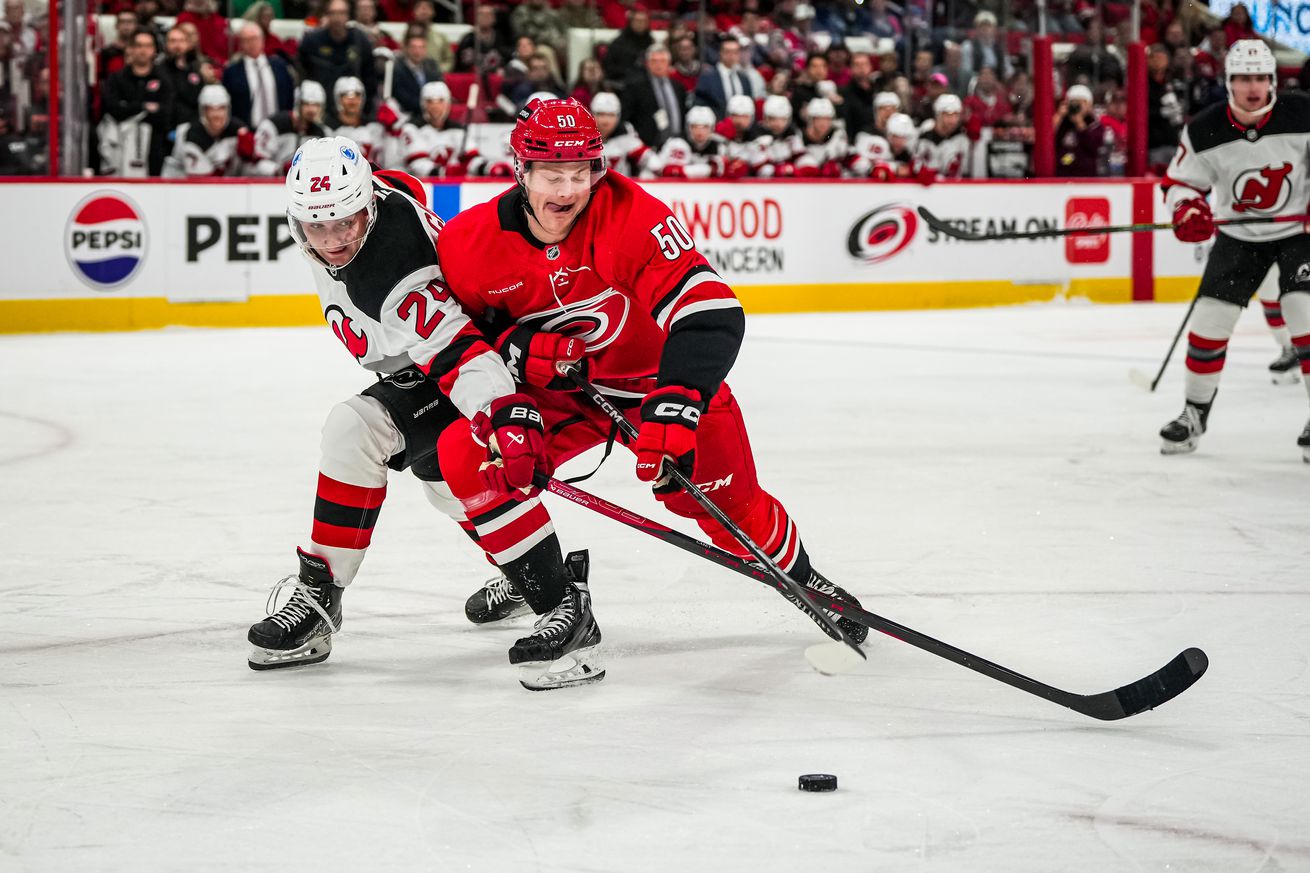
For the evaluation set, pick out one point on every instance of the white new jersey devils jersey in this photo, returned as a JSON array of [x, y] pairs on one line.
[[1252, 172], [205, 155], [869, 150], [276, 141], [948, 155], [694, 163], [832, 148], [625, 152], [391, 308], [373, 141], [781, 149], [429, 151]]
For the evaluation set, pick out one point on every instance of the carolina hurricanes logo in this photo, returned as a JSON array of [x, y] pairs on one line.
[[1262, 190], [355, 343], [882, 233], [597, 322]]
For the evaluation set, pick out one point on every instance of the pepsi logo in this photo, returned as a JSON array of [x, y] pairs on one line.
[[105, 240], [882, 233]]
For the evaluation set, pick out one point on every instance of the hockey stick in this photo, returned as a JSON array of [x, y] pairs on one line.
[[1147, 693], [1140, 378], [956, 232], [785, 582]]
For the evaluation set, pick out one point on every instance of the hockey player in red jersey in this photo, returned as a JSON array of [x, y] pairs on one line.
[[1252, 155], [577, 264], [372, 247]]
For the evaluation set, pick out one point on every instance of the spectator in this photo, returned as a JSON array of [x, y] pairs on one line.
[[589, 83], [536, 19], [180, 66], [779, 84], [806, 86], [616, 13], [1175, 37], [111, 58], [146, 11], [889, 62], [986, 106], [1019, 95], [413, 69], [259, 86], [983, 49], [13, 80], [1165, 106], [336, 49], [1079, 135], [1062, 16], [839, 64], [261, 13], [1237, 25], [857, 96], [580, 13], [425, 12], [750, 33], [26, 40], [789, 41], [483, 49], [540, 78], [924, 105], [212, 28], [723, 81], [958, 78], [19, 155], [1092, 63], [1206, 87], [366, 20], [653, 102], [686, 66], [138, 109], [630, 45], [1214, 47], [884, 22], [1115, 121]]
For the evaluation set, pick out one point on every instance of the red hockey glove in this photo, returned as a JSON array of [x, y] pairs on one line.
[[389, 118], [669, 416], [831, 170], [500, 170], [246, 144], [1193, 221], [925, 175], [513, 431], [785, 170], [736, 168], [882, 172], [533, 356], [674, 171]]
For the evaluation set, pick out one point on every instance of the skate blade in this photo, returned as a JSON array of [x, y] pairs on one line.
[[510, 619], [833, 659], [1305, 455], [313, 652], [1288, 377], [1183, 448], [579, 667]]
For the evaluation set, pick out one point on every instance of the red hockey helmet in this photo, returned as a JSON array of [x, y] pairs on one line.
[[557, 131]]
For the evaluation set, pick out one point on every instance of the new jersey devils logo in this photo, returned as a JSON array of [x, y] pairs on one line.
[[355, 343], [1262, 190], [597, 321]]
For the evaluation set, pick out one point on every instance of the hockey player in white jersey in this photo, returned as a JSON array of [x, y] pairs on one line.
[[210, 146], [702, 155], [279, 136], [943, 146], [438, 147], [780, 142], [379, 137], [823, 140], [371, 245], [742, 133], [1252, 156], [624, 151]]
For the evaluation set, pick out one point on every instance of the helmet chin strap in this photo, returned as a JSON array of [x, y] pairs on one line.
[[1257, 113]]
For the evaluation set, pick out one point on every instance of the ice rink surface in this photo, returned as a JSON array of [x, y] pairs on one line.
[[990, 477]]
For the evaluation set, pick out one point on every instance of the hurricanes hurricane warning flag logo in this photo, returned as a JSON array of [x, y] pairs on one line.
[[105, 240]]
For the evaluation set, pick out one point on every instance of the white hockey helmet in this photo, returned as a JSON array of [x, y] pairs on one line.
[[213, 95], [740, 104], [777, 106], [820, 107], [886, 98], [902, 125], [329, 181], [1251, 57], [435, 91], [947, 103], [605, 103], [1081, 93], [702, 115], [310, 92], [540, 95], [346, 85]]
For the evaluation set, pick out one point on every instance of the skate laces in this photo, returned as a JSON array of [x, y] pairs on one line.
[[558, 620], [298, 607], [499, 590]]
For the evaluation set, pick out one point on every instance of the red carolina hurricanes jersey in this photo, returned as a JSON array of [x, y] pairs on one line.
[[627, 280]]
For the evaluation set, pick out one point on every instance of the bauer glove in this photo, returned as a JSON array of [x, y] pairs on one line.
[[1193, 221], [513, 431], [669, 416]]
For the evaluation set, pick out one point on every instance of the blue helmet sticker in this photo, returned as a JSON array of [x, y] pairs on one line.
[[349, 154]]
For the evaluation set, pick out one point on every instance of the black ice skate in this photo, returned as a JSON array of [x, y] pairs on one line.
[[1304, 442], [856, 631], [496, 601], [1183, 433], [564, 646], [1286, 369], [301, 631]]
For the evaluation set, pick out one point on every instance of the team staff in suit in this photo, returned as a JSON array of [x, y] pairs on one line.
[[260, 86], [653, 101]]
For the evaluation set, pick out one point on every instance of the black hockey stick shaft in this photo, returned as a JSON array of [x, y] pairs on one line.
[[1146, 693], [1173, 345], [945, 227], [785, 582]]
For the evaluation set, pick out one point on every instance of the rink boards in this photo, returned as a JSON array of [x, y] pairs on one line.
[[101, 255]]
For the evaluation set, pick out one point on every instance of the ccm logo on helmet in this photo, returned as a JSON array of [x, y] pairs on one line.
[[567, 143]]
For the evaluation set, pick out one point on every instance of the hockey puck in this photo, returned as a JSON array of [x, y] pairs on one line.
[[818, 782]]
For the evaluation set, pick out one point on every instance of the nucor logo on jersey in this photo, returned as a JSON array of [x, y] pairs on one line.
[[105, 240], [1262, 190]]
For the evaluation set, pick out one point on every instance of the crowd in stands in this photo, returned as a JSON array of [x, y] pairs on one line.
[[759, 88], [24, 88]]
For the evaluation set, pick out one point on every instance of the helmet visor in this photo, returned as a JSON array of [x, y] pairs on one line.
[[334, 241], [562, 180]]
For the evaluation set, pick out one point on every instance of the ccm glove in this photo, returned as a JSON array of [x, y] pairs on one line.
[[669, 416], [513, 431], [533, 357], [1193, 221]]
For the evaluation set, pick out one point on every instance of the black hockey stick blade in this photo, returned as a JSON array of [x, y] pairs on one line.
[[1160, 687]]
